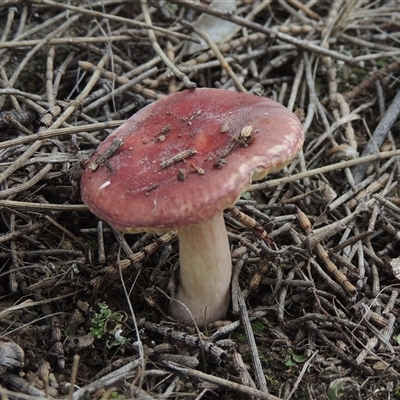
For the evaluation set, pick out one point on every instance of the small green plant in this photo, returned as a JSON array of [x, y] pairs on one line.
[[116, 395], [295, 359], [258, 327], [240, 337], [381, 62], [107, 325]]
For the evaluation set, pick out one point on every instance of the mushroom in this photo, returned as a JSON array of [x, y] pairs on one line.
[[177, 164]]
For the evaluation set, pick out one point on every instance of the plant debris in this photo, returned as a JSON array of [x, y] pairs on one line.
[[315, 249]]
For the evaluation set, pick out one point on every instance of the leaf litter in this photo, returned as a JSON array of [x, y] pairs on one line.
[[315, 249]]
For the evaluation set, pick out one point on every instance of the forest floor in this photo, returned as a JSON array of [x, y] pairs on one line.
[[315, 307]]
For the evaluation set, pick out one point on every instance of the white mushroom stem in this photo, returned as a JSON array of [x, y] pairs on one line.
[[205, 272]]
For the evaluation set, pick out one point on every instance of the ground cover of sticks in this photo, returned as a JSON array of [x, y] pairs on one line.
[[315, 248]]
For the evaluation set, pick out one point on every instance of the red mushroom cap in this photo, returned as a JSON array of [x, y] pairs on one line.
[[184, 158]]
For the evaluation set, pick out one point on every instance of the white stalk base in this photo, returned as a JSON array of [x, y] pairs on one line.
[[205, 273]]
